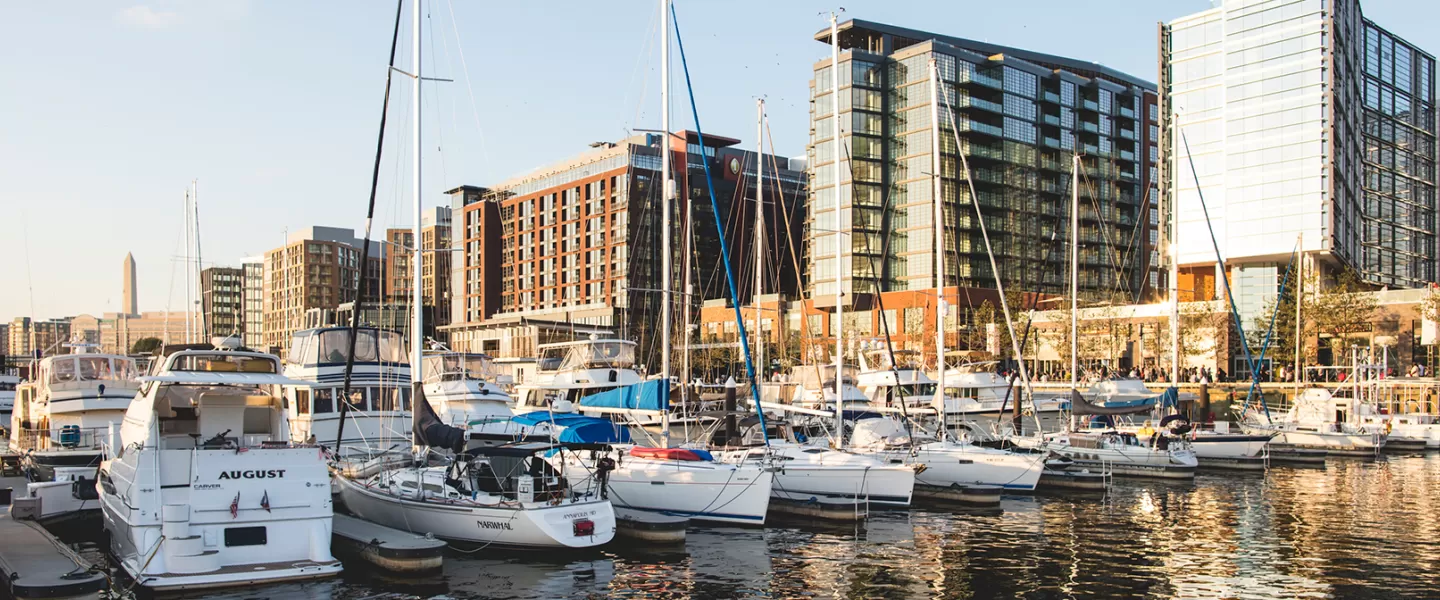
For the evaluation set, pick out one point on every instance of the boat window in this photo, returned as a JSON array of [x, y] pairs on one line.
[[324, 401], [302, 402], [458, 367], [392, 347], [384, 398], [551, 359], [405, 398], [297, 348], [335, 346], [357, 397], [916, 389], [814, 451], [62, 371], [6, 386], [223, 363], [124, 369], [606, 354], [94, 368]]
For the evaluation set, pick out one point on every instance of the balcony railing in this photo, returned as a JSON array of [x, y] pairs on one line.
[[1051, 97], [1051, 119], [981, 78], [1127, 112], [976, 126], [1090, 105], [966, 101]]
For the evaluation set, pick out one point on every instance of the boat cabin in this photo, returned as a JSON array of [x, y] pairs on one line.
[[593, 353]]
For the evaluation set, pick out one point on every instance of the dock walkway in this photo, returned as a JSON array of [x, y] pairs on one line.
[[34, 564]]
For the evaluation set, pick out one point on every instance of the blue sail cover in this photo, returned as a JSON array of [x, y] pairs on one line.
[[577, 429], [641, 396]]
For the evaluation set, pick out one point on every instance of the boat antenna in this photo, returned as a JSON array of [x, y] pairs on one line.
[[364, 279]]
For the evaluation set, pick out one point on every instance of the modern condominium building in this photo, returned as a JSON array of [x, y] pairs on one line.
[[254, 290], [1306, 124], [1020, 117], [317, 268], [435, 229], [222, 298]]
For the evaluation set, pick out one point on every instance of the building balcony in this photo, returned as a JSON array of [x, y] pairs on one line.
[[1128, 134], [1090, 105], [1050, 97], [967, 101], [1089, 127], [970, 125], [1127, 112], [980, 78], [1051, 143], [1050, 119], [1127, 155]]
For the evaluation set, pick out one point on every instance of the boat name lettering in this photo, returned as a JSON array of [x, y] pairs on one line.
[[578, 515], [494, 525], [257, 474]]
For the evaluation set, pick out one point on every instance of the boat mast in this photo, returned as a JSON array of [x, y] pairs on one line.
[[667, 297], [417, 316], [759, 234], [201, 324], [939, 230], [1299, 300], [1173, 250], [189, 283], [1074, 269], [839, 237]]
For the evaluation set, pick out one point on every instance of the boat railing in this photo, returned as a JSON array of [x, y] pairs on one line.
[[65, 437]]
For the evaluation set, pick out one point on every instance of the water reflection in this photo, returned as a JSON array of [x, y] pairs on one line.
[[1352, 530]]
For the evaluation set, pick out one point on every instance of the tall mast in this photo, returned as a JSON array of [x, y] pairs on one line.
[[759, 234], [1173, 250], [839, 237], [202, 326], [667, 297], [938, 227], [1299, 300], [417, 313], [189, 283], [1074, 269]]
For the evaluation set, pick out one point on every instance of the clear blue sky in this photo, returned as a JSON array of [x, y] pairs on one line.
[[110, 108]]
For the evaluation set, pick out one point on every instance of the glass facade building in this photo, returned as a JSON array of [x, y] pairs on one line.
[[1305, 124], [1019, 117]]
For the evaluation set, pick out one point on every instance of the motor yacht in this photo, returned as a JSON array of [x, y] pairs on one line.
[[378, 418], [65, 416], [205, 488]]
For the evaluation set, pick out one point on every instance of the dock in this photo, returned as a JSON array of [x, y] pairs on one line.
[[970, 495], [1077, 480], [1296, 455], [1233, 463], [393, 550], [650, 526], [34, 564]]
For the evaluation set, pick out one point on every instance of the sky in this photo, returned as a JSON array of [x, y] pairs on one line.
[[111, 109]]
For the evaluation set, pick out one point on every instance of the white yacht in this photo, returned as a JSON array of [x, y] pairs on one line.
[[63, 418], [1321, 419], [944, 464], [676, 482], [814, 480], [205, 488], [980, 400], [378, 418], [465, 392]]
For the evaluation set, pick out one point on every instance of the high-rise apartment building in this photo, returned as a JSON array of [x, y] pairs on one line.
[[1304, 120], [253, 284], [30, 338], [580, 240], [435, 230], [317, 268], [222, 300], [1020, 117]]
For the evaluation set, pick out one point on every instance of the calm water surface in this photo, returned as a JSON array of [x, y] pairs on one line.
[[1351, 530]]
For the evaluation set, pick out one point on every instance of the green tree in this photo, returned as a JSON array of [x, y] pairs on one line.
[[1344, 308], [145, 345]]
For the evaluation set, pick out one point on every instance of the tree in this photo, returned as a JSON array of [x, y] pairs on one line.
[[1343, 309], [145, 345], [1281, 309]]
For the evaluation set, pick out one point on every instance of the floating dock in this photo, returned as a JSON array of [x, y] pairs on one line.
[[972, 495], [858, 511], [34, 564], [1401, 444], [1077, 480], [390, 549], [1296, 455], [650, 526], [1233, 463]]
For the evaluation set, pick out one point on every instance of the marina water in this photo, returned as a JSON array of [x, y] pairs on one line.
[[1355, 529]]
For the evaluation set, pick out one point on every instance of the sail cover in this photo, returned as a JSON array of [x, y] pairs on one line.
[[577, 429], [1080, 406], [645, 395], [430, 431]]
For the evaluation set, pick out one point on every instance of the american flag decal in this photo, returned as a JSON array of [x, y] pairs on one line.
[[265, 501], [235, 506]]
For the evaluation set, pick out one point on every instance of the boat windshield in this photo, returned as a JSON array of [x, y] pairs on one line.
[[904, 359], [459, 367], [600, 354], [223, 363], [916, 389], [90, 368], [812, 377], [332, 346]]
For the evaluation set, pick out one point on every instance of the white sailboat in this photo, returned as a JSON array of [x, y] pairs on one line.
[[497, 496], [205, 489]]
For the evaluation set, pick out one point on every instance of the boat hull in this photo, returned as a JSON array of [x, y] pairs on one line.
[[536, 526], [698, 490], [948, 465], [1226, 446]]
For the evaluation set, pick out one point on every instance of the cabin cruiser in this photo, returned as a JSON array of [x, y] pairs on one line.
[[1214, 445], [979, 399], [205, 488], [1321, 419], [63, 418], [503, 496], [378, 417], [943, 464], [1405, 408], [465, 392]]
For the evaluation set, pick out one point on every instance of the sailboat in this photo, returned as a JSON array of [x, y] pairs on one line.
[[1124, 453], [497, 496]]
